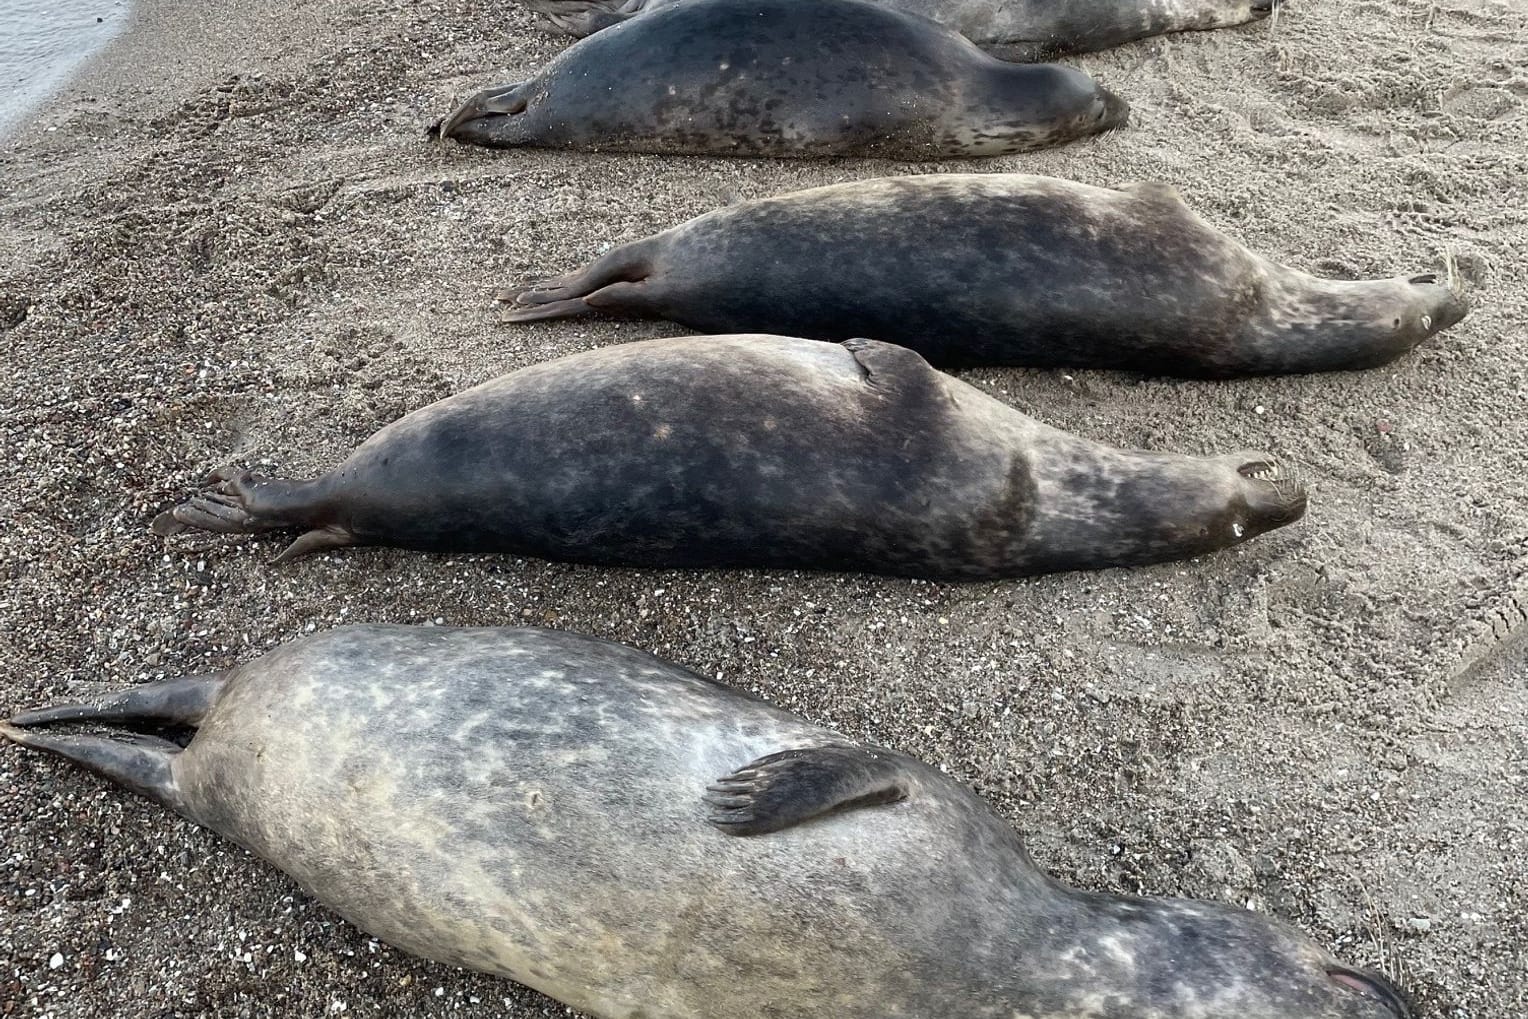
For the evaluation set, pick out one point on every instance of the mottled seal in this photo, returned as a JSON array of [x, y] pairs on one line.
[[1004, 269], [635, 840], [1011, 29], [757, 451], [786, 78]]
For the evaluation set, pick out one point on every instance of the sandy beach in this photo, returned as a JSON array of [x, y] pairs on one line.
[[229, 242]]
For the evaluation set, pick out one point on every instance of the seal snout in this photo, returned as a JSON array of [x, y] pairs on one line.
[[1272, 490], [1442, 305], [1112, 111], [1374, 986]]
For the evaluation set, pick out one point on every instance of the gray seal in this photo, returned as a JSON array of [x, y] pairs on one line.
[[1011, 29], [786, 78], [1003, 269], [635, 840], [757, 451]]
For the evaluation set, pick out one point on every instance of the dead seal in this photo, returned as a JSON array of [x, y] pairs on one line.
[[1010, 29], [756, 451], [1003, 269], [635, 840], [786, 78]]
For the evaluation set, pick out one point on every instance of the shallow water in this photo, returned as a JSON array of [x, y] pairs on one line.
[[44, 42]]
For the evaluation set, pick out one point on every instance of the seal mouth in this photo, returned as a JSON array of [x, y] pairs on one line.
[[1263, 8], [1374, 986], [1263, 470]]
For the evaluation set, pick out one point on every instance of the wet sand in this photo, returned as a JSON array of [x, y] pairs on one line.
[[229, 242]]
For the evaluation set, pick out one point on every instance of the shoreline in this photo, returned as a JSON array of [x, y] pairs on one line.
[[235, 246]]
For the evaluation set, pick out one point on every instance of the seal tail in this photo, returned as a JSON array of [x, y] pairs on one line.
[[618, 280]]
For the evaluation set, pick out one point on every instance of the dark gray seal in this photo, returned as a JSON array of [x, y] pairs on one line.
[[1011, 29], [1003, 269], [786, 78], [757, 451], [635, 840]]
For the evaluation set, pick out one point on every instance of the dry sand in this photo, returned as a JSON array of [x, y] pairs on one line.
[[229, 242]]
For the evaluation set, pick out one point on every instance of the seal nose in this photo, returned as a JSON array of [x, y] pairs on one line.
[[1374, 986], [1112, 110], [1273, 493], [1447, 307]]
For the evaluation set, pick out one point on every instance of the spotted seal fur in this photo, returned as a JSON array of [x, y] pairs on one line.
[[637, 841]]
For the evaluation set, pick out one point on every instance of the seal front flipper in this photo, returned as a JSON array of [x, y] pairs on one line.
[[794, 786], [140, 763], [891, 368]]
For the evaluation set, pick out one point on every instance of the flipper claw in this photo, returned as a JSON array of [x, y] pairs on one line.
[[794, 786]]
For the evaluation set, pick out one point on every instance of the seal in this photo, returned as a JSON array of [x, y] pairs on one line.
[[785, 78], [756, 451], [1003, 269], [635, 840], [1010, 29]]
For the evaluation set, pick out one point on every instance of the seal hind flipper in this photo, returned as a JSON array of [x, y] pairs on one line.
[[502, 101], [618, 280], [240, 502], [184, 700], [581, 18], [795, 786], [137, 762]]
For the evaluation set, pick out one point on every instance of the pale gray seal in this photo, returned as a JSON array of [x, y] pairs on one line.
[[1011, 29], [1003, 269], [785, 78], [760, 451], [638, 841]]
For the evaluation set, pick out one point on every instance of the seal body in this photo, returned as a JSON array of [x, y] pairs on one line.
[[1004, 269], [785, 78], [1011, 29], [635, 840], [758, 451]]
